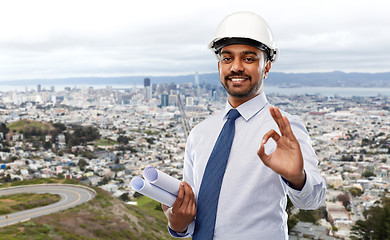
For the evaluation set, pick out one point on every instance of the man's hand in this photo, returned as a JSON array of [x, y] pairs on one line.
[[183, 211], [287, 159]]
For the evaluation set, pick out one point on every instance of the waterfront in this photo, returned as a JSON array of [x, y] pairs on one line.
[[324, 91], [330, 91]]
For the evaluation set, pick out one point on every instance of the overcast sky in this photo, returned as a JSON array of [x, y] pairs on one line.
[[76, 38]]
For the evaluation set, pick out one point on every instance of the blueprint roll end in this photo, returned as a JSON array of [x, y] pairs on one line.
[[150, 174], [137, 183]]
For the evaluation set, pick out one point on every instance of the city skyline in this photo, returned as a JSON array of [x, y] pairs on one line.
[[45, 39], [105, 137]]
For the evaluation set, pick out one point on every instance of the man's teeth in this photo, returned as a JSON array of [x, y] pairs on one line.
[[237, 79]]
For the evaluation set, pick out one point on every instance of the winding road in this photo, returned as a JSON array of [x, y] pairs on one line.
[[71, 196]]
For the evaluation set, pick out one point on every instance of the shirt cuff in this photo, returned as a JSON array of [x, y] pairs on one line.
[[176, 234], [307, 187], [189, 231]]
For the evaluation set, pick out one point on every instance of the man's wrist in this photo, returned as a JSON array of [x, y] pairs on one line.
[[296, 183], [177, 230]]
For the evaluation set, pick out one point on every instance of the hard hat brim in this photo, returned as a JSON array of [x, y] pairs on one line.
[[221, 43]]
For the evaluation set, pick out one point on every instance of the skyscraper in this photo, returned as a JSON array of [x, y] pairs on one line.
[[147, 89], [197, 85], [147, 82], [164, 100]]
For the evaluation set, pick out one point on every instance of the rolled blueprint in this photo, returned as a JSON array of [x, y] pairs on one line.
[[162, 180], [140, 185]]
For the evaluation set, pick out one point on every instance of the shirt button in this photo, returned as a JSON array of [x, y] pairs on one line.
[[308, 203], [303, 195]]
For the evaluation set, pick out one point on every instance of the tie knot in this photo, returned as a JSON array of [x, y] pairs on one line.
[[233, 114]]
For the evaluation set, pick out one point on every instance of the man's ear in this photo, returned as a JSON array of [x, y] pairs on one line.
[[218, 66], [267, 68]]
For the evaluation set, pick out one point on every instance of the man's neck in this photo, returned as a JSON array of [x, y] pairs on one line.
[[235, 101]]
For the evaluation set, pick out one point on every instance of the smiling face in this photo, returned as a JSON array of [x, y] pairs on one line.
[[242, 69]]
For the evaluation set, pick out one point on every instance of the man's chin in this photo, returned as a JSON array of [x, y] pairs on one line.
[[239, 94]]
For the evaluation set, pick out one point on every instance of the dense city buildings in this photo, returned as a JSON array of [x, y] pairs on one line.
[[147, 126]]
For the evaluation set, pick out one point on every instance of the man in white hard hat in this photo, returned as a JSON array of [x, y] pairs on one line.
[[259, 172]]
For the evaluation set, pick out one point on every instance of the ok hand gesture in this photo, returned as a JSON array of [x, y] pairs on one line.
[[287, 159]]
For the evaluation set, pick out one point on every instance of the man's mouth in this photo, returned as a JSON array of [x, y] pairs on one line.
[[238, 79]]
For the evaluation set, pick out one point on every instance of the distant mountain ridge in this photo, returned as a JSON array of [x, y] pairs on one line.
[[326, 79]]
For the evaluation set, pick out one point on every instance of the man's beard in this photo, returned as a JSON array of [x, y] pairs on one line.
[[251, 91]]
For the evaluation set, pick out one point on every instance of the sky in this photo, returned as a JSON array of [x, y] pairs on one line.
[[45, 39]]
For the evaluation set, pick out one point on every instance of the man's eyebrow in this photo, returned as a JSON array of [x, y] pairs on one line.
[[244, 52], [250, 52], [226, 52]]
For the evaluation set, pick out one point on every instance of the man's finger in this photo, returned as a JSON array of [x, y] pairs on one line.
[[273, 114], [277, 116], [187, 195], [179, 199], [271, 134], [190, 207], [288, 130], [281, 123], [263, 156]]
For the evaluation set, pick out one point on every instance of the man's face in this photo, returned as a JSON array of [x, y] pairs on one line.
[[242, 69]]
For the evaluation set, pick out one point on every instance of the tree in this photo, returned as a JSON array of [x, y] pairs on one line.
[[123, 140], [6, 178], [137, 195], [345, 199], [368, 174], [59, 126], [356, 192], [82, 163], [81, 136], [4, 129], [377, 223], [309, 215], [104, 181], [47, 145], [87, 154], [125, 197]]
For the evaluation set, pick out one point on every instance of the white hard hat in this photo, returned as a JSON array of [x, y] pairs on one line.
[[245, 28]]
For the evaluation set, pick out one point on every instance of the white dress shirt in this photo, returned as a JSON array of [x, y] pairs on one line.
[[252, 200]]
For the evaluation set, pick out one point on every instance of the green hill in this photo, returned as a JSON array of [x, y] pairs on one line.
[[31, 128], [104, 217]]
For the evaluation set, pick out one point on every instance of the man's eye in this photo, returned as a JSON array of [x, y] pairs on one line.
[[226, 59], [249, 59]]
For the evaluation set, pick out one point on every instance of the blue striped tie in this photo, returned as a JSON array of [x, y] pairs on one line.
[[212, 179]]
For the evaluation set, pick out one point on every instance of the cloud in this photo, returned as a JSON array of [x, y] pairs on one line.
[[51, 39]]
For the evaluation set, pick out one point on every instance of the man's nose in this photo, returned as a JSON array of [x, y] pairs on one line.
[[237, 66]]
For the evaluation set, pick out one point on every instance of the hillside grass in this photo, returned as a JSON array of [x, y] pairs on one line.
[[24, 201], [104, 217], [39, 181], [104, 142], [27, 125]]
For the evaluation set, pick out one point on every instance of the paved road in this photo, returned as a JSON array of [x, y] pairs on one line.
[[71, 195]]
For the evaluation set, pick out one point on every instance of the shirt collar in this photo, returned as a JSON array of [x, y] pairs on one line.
[[249, 108]]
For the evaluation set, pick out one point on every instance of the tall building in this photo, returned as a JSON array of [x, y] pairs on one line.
[[172, 99], [147, 82], [164, 100], [189, 101], [39, 88], [197, 85], [147, 89]]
